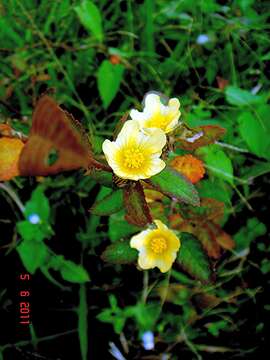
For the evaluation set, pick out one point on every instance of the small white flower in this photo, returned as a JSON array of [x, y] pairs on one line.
[[34, 218], [148, 340], [202, 39]]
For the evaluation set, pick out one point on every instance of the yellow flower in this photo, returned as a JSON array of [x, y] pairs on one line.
[[135, 155], [189, 166], [156, 247], [157, 115]]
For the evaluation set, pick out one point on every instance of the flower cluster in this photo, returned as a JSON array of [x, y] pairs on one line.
[[135, 154]]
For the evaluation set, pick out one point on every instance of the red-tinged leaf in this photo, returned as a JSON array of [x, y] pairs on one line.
[[5, 130], [176, 221], [204, 300], [222, 83], [202, 230], [214, 209], [207, 237], [192, 139], [56, 142], [137, 211], [209, 209], [223, 239]]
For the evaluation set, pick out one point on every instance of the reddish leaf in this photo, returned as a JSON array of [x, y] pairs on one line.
[[202, 230], [194, 138], [223, 239], [57, 142], [204, 300], [210, 209], [222, 83], [214, 209], [206, 235], [137, 211]]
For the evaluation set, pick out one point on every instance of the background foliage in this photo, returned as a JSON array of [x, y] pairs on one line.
[[102, 57]]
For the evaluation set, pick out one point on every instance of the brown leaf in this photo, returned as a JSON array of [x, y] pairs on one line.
[[194, 138], [223, 239], [137, 211], [222, 83], [57, 142], [206, 235]]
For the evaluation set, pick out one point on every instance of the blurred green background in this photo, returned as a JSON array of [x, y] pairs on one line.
[[101, 57]]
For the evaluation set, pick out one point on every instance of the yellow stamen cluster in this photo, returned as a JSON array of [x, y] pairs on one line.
[[158, 245], [133, 158]]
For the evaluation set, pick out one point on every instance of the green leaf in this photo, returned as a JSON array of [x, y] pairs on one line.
[[119, 227], [73, 273], [239, 97], [217, 162], [120, 253], [83, 322], [110, 204], [113, 315], [244, 237], [137, 210], [90, 17], [216, 188], [255, 130], [145, 315], [102, 177], [38, 204], [258, 169], [33, 255], [109, 78], [174, 185], [30, 232], [192, 258]]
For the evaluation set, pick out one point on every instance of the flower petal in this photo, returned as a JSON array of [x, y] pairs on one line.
[[165, 263], [139, 240], [152, 103], [137, 115], [110, 149], [145, 261], [155, 140], [155, 167], [128, 132], [173, 242], [174, 103], [160, 225]]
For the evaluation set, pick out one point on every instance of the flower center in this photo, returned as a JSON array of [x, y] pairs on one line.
[[133, 158], [159, 121], [158, 245]]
